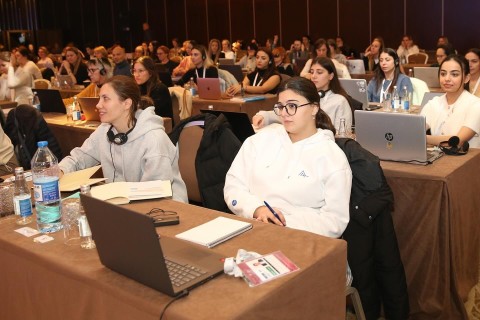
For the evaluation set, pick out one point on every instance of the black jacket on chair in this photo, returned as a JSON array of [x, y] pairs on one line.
[[216, 152], [32, 127], [372, 252]]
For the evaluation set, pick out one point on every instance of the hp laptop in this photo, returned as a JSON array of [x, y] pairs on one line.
[[128, 243], [235, 70], [427, 96], [89, 108], [50, 100], [239, 121], [357, 89], [209, 88], [427, 74], [394, 136], [356, 66]]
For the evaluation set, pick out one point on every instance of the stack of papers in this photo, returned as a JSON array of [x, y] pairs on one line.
[[73, 180], [247, 99], [124, 192]]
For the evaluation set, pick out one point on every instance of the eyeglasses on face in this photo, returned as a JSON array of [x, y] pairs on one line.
[[290, 108], [276, 56], [92, 70]]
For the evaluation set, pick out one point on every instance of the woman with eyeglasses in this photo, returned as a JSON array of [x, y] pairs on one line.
[[333, 98], [162, 54], [99, 71], [147, 79], [457, 112], [131, 143], [203, 66], [296, 168], [265, 78], [283, 67]]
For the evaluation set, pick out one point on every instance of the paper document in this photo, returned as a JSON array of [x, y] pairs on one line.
[[73, 180], [215, 231], [124, 192]]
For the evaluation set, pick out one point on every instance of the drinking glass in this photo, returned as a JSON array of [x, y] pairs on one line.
[[70, 215], [387, 102], [6, 201]]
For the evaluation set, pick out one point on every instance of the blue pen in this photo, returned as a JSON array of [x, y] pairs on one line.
[[273, 211]]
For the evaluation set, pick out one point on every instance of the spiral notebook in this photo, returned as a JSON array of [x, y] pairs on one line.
[[215, 231]]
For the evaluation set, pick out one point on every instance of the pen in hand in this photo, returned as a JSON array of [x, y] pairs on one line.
[[273, 212]]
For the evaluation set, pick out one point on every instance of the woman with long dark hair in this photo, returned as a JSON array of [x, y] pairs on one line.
[[296, 167]]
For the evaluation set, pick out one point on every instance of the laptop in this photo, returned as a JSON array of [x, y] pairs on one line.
[[50, 100], [427, 74], [127, 242], [225, 61], [356, 66], [209, 88], [427, 96], [394, 136], [357, 89], [235, 70], [65, 80], [240, 122], [89, 108]]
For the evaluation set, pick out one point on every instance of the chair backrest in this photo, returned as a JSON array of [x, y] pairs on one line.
[[417, 58], [419, 89], [188, 144], [284, 77], [41, 84]]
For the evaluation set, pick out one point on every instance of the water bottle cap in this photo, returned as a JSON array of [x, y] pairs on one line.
[[42, 144]]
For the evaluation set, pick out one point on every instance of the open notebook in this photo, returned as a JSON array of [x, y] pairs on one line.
[[215, 231]]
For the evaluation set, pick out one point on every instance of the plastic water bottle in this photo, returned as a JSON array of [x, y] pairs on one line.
[[395, 100], [45, 173], [193, 90], [342, 129], [36, 101], [76, 113], [405, 99], [86, 240], [22, 202]]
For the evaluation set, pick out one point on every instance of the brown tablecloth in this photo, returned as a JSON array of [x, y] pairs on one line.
[[436, 217], [55, 281]]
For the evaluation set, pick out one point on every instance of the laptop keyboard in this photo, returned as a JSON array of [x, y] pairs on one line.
[[182, 274]]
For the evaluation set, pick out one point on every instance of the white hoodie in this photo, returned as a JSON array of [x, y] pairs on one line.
[[309, 181], [147, 155]]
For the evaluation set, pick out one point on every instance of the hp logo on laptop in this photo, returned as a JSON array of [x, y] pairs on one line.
[[389, 136]]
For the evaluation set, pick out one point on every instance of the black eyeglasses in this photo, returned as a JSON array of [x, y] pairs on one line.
[[291, 108], [92, 70], [276, 56], [157, 212]]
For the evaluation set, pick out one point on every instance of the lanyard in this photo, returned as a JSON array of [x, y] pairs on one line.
[[476, 86], [196, 71], [382, 91], [255, 81]]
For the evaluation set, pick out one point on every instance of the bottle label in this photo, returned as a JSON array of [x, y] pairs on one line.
[[84, 227], [23, 207], [76, 115], [48, 191], [406, 105]]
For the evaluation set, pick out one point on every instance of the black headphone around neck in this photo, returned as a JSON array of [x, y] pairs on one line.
[[322, 93], [119, 138], [451, 147]]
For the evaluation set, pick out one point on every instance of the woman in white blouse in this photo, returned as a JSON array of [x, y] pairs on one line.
[[457, 112]]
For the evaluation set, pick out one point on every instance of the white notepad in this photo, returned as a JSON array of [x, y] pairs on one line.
[[215, 231]]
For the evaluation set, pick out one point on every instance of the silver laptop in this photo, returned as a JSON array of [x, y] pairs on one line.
[[128, 243], [427, 74], [356, 66], [357, 89], [427, 96], [394, 136]]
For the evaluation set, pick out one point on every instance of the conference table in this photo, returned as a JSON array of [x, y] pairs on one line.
[[250, 107], [56, 281], [71, 135], [436, 217]]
